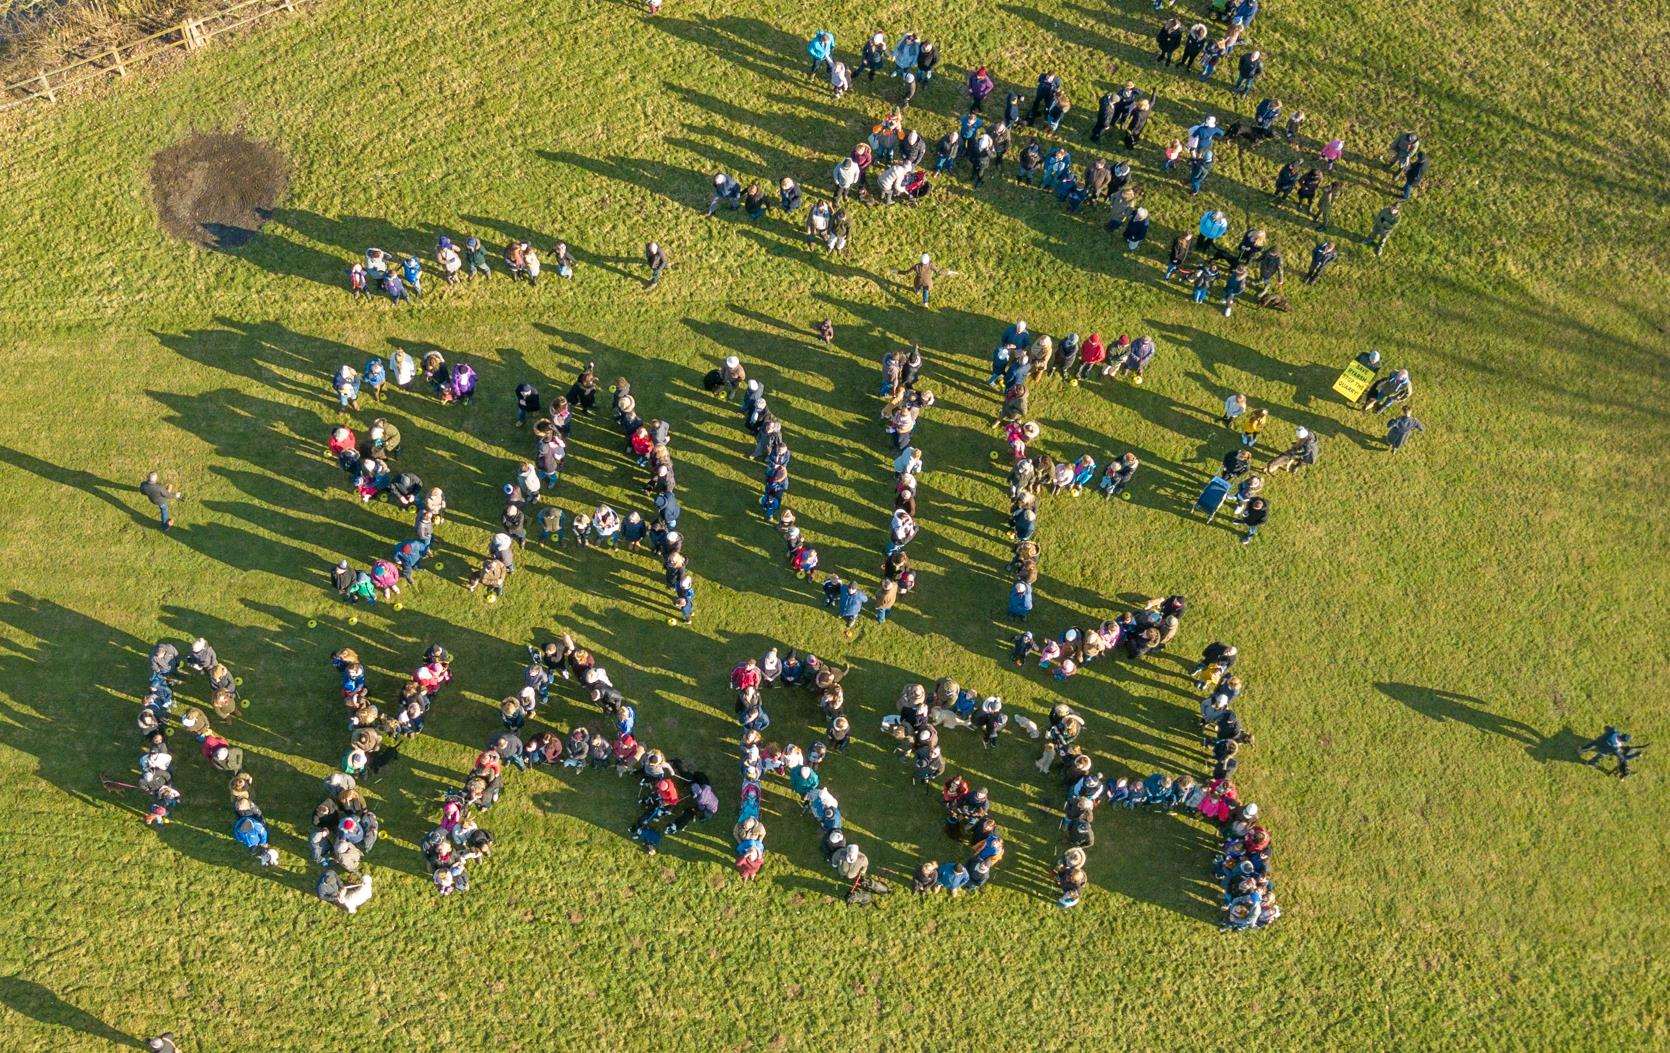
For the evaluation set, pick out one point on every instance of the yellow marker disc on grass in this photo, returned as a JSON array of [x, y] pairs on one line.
[[312, 624]]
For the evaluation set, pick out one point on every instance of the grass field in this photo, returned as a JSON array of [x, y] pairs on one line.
[[1426, 636]]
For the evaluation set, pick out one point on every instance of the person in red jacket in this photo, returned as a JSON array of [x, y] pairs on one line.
[[746, 676], [1093, 355]]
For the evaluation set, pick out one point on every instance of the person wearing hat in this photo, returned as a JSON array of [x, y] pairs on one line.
[[1070, 877], [1301, 454], [990, 719], [163, 1043]]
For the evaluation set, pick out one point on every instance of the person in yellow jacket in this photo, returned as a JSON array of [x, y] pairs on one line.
[[1251, 423]]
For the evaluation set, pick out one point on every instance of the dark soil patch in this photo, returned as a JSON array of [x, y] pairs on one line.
[[215, 189]]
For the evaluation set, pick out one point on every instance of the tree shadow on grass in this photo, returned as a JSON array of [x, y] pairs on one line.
[[40, 1003]]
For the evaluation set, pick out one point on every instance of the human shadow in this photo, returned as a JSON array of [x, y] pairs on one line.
[[40, 1003], [1443, 706]]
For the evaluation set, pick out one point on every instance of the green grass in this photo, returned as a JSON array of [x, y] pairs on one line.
[[1426, 636]]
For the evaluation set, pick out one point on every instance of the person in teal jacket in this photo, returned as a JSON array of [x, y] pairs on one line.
[[821, 48]]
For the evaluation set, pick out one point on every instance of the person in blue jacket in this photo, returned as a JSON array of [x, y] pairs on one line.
[[905, 54], [1213, 225], [1020, 600], [821, 48], [851, 604], [953, 877]]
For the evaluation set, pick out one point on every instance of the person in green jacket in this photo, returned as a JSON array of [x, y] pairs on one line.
[[1383, 224], [362, 589], [475, 258]]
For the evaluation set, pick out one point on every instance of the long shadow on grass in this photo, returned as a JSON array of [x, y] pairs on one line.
[[1445, 706], [38, 1002], [73, 742]]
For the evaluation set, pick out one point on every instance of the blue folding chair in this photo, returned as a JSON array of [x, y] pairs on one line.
[[1212, 498]]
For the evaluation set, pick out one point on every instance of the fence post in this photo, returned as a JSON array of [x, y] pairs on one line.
[[46, 88], [192, 30], [116, 60]]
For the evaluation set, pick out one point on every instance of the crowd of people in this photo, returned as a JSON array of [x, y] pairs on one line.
[[890, 164], [800, 769], [401, 279], [163, 711]]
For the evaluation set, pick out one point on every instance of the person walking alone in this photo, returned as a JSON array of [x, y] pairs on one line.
[[162, 495]]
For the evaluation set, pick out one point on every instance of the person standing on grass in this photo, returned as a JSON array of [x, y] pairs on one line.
[[922, 274], [886, 597], [1611, 743], [1139, 121], [1413, 175], [161, 496], [1020, 600], [851, 605], [1383, 224], [820, 49], [657, 261], [475, 258], [1253, 514], [726, 191], [1234, 285], [1320, 257], [1400, 428], [1325, 204], [1252, 64], [1168, 39]]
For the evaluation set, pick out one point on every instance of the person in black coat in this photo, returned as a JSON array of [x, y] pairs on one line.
[[1193, 45], [1104, 116], [1139, 121], [1049, 85], [1257, 510], [1169, 38], [1286, 180], [1320, 258]]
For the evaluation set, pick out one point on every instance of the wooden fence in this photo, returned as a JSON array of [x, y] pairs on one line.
[[192, 34]]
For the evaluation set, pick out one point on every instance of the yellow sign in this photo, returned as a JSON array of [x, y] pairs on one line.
[[1354, 381]]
